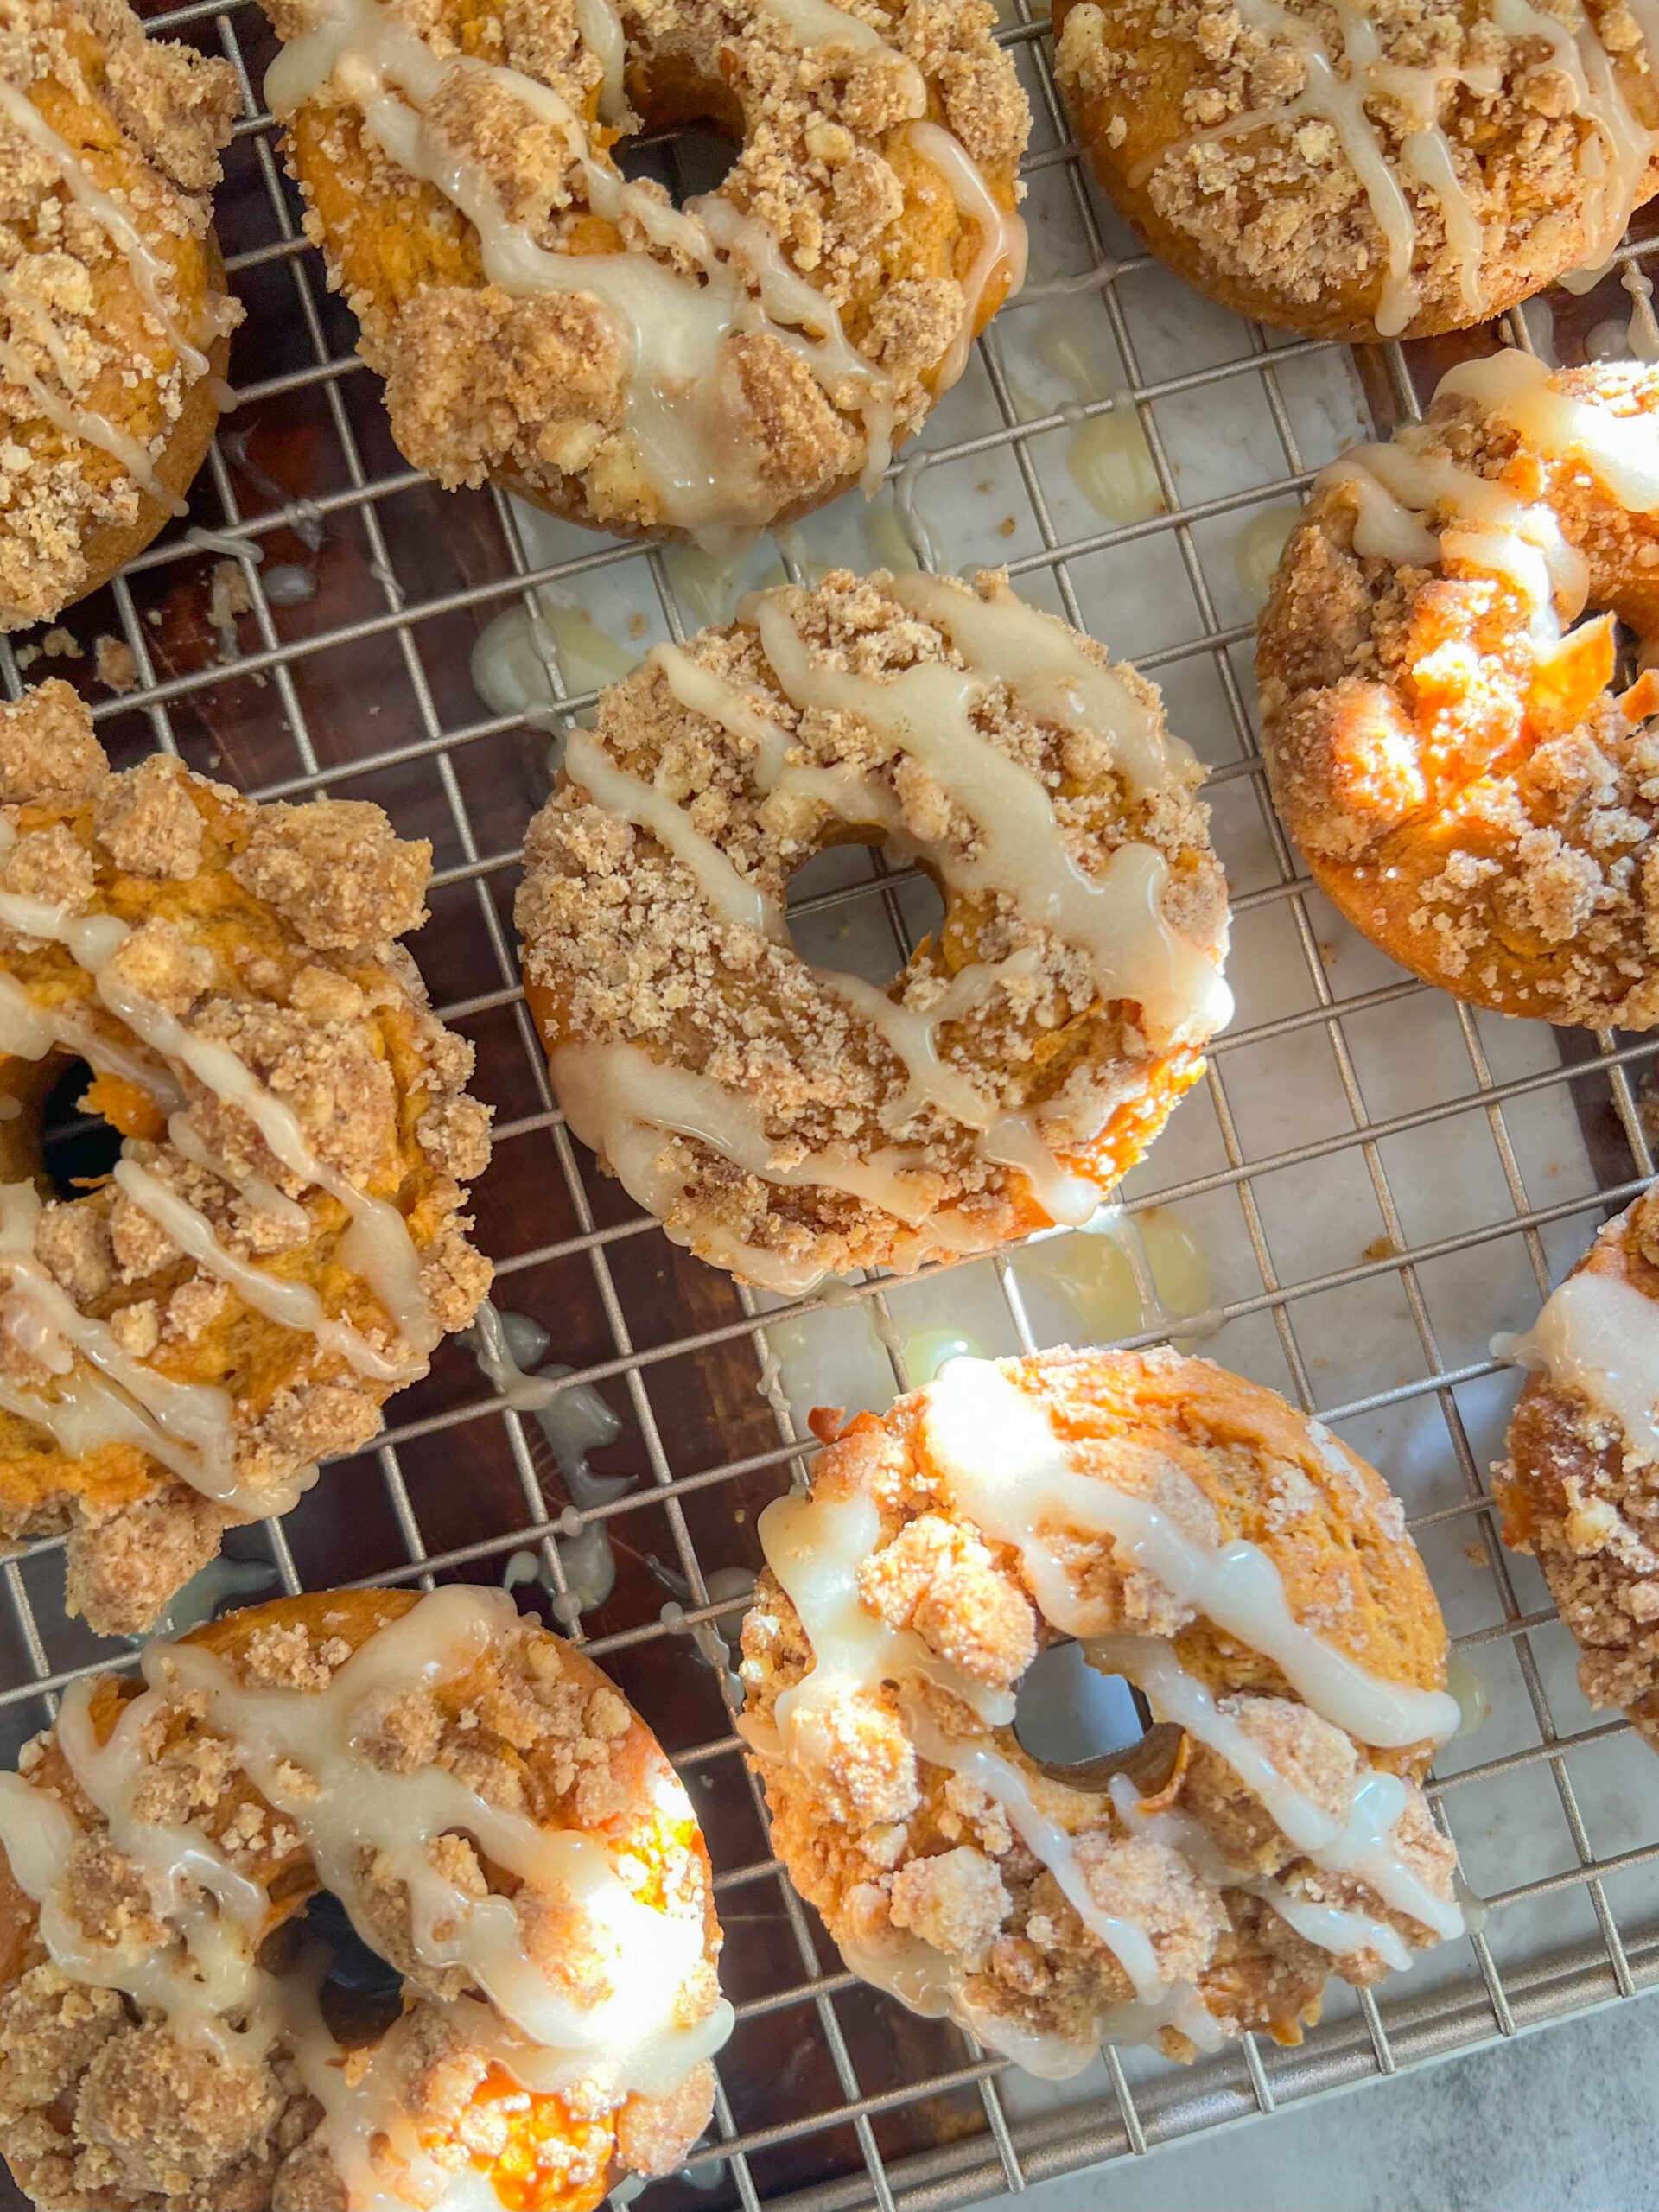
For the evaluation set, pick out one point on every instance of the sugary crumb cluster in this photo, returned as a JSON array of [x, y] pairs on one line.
[[890, 1848], [1279, 210], [1583, 1498], [624, 939], [1489, 817], [533, 385], [103, 2102], [147, 117], [268, 931]]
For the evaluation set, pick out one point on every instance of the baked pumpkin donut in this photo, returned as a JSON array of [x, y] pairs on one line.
[[114, 326], [281, 1244], [1470, 787], [1384, 170], [496, 1828], [545, 323], [785, 1120], [1580, 1488], [1231, 1557]]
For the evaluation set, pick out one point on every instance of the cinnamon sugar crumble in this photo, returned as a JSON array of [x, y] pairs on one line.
[[1405, 744], [329, 1025], [624, 938], [890, 1848], [480, 383], [1279, 209], [157, 114]]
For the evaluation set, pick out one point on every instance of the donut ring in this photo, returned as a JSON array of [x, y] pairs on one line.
[[114, 327], [1468, 790], [498, 1826], [1233, 1559], [542, 323], [280, 1245], [781, 1119], [1580, 1488], [1477, 164]]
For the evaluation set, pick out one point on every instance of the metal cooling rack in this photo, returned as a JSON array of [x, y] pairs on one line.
[[829, 2097]]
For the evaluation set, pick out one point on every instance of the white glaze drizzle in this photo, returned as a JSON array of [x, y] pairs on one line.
[[738, 902], [63, 411], [378, 1244], [31, 1030], [1362, 1845], [1598, 1336], [818, 23], [600, 28], [150, 273], [186, 1425], [680, 411], [1013, 1477], [1115, 915], [282, 1298], [624, 1104], [1477, 520], [993, 1454], [1332, 1928], [204, 1977], [1002, 249]]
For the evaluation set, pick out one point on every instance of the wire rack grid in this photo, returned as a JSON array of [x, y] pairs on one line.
[[829, 2098]]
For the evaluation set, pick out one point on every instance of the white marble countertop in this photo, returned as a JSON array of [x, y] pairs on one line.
[[1559, 2119]]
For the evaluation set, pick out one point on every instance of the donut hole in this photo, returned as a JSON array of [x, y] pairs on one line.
[[841, 917], [361, 1993], [1068, 1714], [685, 155], [1628, 648], [78, 1148]]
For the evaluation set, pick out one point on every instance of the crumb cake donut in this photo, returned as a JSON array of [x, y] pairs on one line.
[[1356, 171], [1231, 1557], [499, 1830], [114, 327], [280, 1245], [785, 1120], [1580, 1488], [1472, 788], [545, 323]]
